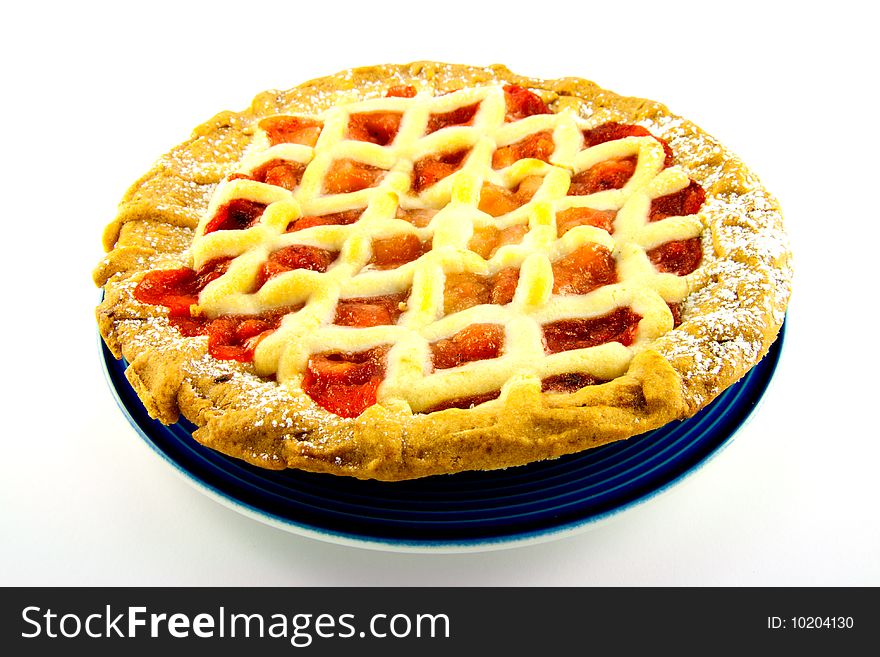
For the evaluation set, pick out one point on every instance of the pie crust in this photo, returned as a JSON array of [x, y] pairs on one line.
[[729, 309]]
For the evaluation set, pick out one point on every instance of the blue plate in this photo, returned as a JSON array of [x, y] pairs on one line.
[[468, 511]]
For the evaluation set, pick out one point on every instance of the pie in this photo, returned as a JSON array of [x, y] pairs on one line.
[[408, 270]]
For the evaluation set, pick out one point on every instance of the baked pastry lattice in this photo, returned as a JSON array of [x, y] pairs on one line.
[[405, 271]]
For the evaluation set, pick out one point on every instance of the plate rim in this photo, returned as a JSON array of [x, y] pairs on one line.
[[449, 546]]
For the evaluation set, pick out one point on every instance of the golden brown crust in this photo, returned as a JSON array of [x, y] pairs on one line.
[[730, 320]]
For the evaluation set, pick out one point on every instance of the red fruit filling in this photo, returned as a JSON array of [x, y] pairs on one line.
[[610, 174], [238, 214], [297, 256], [679, 257], [497, 200], [461, 116], [488, 239], [178, 289], [539, 146], [344, 383], [465, 289], [573, 217], [612, 131], [291, 130], [235, 337], [375, 127], [231, 337], [683, 202], [583, 270], [522, 103], [371, 311], [335, 219], [392, 252], [280, 173], [344, 176], [434, 168], [617, 326], [476, 342]]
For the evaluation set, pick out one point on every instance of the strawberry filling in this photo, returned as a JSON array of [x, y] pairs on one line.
[[464, 290], [610, 174], [434, 168], [178, 289], [476, 342], [238, 214], [392, 252], [343, 383], [683, 202], [539, 146], [583, 270], [370, 311], [504, 286], [375, 127], [335, 219], [573, 217], [488, 239], [291, 130], [496, 200], [612, 131], [618, 326], [521, 103], [280, 173], [232, 337], [344, 176], [460, 116], [297, 256], [235, 337], [679, 257]]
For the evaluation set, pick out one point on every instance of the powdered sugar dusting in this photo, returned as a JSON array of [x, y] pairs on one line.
[[731, 320], [286, 410]]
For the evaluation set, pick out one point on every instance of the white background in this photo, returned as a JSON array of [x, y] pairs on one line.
[[93, 94]]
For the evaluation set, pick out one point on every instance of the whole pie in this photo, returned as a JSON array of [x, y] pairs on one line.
[[407, 270]]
